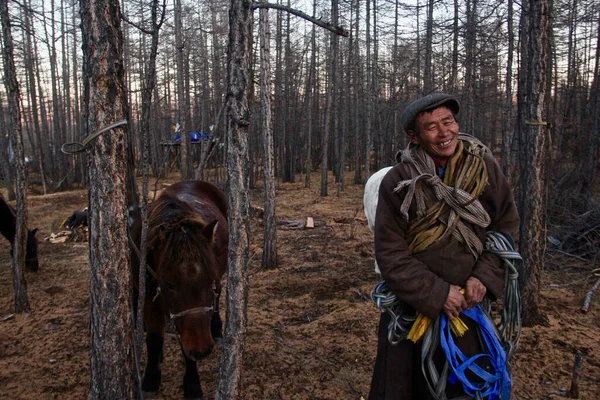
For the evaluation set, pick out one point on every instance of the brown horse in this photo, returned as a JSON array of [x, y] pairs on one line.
[[187, 257], [8, 228]]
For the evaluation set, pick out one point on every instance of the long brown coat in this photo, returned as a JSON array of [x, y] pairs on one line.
[[423, 280]]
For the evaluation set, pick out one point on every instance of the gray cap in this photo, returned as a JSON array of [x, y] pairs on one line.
[[427, 103]]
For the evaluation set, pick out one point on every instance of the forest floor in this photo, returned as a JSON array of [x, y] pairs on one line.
[[311, 328]]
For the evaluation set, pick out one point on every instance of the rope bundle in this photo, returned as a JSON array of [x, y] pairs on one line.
[[499, 340]]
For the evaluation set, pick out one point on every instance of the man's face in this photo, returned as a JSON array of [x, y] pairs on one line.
[[437, 132]]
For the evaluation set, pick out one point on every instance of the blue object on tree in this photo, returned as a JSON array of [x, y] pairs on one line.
[[194, 137]]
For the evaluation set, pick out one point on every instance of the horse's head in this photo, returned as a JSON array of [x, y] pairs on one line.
[[181, 252], [31, 257]]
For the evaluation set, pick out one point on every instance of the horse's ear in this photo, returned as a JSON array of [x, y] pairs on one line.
[[34, 231], [210, 230]]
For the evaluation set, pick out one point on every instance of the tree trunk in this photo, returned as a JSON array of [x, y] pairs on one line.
[[240, 20], [269, 258], [507, 134], [147, 89], [14, 106], [369, 97], [455, 34], [532, 132], [428, 72], [590, 159], [358, 143], [182, 119], [111, 340], [467, 114], [37, 144], [310, 87]]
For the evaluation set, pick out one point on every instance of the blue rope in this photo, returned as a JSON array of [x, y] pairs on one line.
[[495, 384]]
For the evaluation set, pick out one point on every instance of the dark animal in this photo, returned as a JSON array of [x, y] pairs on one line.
[[77, 219], [8, 228], [186, 257]]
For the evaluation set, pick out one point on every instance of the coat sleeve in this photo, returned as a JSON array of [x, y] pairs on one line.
[[410, 279], [500, 205]]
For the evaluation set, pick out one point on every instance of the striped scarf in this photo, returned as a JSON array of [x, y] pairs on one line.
[[443, 205]]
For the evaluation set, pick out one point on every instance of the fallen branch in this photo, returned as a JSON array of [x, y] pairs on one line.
[[569, 254], [577, 367], [588, 297]]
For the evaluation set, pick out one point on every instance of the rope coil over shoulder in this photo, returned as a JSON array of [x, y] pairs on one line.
[[499, 340]]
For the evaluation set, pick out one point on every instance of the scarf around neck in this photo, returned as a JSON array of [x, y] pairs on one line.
[[443, 206]]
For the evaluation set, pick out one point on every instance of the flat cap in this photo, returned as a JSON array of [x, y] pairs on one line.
[[427, 103]]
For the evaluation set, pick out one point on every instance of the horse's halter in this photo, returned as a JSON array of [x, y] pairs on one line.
[[195, 310], [189, 311]]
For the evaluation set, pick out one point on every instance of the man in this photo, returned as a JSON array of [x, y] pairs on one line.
[[435, 207]]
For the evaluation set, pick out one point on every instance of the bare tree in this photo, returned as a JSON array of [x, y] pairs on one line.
[[269, 258], [589, 163], [507, 135], [14, 106], [111, 342], [428, 71], [33, 98], [238, 79], [182, 112], [532, 131]]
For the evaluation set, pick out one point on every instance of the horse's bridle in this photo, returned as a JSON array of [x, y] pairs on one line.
[[189, 311], [195, 310]]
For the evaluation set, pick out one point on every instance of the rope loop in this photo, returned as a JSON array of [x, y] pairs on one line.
[[76, 147], [499, 339]]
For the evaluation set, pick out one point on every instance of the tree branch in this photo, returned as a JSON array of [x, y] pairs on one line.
[[156, 27], [338, 30]]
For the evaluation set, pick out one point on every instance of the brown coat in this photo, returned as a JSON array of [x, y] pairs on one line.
[[423, 280]]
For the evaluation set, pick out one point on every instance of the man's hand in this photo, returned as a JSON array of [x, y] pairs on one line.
[[474, 292], [455, 303]]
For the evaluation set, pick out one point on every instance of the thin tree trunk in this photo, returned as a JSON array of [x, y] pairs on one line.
[[428, 72], [310, 84], [29, 64], [455, 32], [507, 126], [590, 159], [184, 148], [240, 19], [369, 97], [269, 258], [358, 144], [14, 106], [147, 89]]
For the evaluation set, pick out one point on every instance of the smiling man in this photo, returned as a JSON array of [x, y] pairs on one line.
[[435, 207]]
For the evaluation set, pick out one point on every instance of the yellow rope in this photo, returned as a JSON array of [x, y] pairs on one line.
[[465, 171]]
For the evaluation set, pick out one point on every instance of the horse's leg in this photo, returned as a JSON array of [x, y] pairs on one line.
[[155, 330], [191, 380], [216, 325]]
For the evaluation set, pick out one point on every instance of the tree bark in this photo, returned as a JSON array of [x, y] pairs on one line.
[[238, 79], [182, 119], [29, 63], [428, 72], [111, 338], [532, 133], [269, 258], [507, 134], [14, 106]]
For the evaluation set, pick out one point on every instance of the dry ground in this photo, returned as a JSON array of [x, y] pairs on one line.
[[311, 332]]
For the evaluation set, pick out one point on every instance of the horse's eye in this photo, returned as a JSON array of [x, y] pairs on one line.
[[171, 287]]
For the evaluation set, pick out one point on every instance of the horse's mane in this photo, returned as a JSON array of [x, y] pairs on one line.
[[177, 227], [8, 218]]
